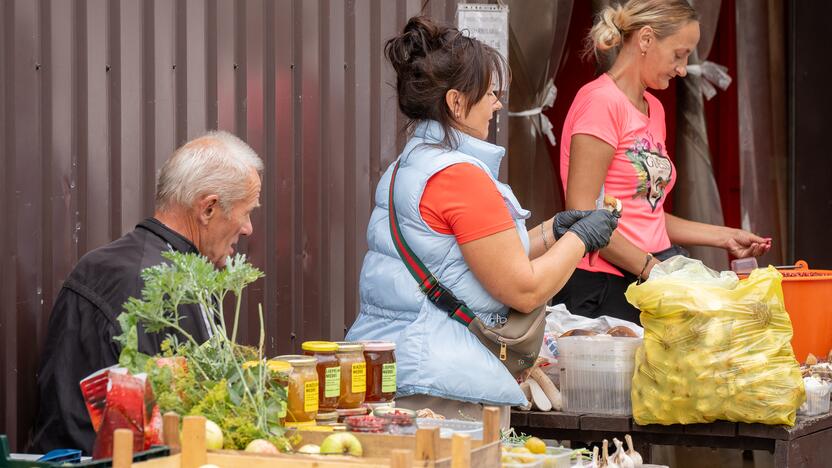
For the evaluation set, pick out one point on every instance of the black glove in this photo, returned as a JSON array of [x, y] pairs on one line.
[[593, 227]]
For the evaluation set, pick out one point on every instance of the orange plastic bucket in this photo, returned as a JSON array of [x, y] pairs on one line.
[[808, 297]]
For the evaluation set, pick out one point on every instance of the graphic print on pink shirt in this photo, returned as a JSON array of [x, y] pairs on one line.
[[653, 168]]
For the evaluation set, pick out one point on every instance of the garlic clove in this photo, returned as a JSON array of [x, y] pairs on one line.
[[620, 457], [635, 456]]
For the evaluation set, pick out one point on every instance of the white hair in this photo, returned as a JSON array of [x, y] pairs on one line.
[[215, 163]]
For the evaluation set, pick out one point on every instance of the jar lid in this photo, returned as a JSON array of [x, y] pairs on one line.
[[319, 346], [297, 360], [279, 366], [378, 345], [327, 416], [349, 346], [344, 412], [373, 405]]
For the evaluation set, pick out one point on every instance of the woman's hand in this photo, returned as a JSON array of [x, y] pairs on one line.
[[742, 244]]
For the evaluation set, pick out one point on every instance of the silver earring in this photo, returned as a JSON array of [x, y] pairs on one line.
[[644, 53]]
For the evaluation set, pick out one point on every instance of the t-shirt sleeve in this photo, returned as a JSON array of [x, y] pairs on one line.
[[598, 115], [462, 200]]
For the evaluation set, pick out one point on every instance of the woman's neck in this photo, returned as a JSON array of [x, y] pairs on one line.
[[625, 74]]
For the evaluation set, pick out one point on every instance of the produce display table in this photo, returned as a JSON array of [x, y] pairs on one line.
[[807, 444]]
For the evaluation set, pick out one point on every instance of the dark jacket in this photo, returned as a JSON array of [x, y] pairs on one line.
[[83, 323]]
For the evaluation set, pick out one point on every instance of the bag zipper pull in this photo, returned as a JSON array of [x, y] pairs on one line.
[[503, 355]]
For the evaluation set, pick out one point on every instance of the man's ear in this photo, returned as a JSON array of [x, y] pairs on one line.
[[207, 208]]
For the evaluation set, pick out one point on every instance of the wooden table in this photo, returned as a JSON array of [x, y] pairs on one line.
[[807, 444]]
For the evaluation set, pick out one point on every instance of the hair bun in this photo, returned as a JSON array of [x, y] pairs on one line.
[[421, 36]]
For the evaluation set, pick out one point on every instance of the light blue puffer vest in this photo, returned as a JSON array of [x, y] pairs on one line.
[[436, 356]]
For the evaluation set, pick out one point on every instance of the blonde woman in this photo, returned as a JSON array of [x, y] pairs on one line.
[[614, 137]]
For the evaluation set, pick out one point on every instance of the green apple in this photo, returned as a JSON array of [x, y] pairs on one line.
[[309, 449], [261, 446], [342, 443], [213, 435]]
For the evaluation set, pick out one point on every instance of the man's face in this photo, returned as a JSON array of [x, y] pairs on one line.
[[219, 235]]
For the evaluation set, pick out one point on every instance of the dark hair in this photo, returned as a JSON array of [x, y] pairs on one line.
[[431, 58]]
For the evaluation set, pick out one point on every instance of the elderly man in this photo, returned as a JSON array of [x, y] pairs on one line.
[[204, 196]]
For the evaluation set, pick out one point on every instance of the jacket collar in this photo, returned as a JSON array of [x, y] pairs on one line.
[[491, 155], [179, 242]]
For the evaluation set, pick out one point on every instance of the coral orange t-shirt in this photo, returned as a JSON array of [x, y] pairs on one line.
[[640, 174], [462, 200]]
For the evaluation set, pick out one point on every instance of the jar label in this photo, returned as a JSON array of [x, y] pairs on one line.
[[388, 378], [359, 377], [332, 382], [310, 396]]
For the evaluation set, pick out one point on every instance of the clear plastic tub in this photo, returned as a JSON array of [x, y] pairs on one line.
[[449, 427], [556, 457], [817, 397], [596, 373], [521, 460]]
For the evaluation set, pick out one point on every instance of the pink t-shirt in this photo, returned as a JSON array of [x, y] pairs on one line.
[[640, 175]]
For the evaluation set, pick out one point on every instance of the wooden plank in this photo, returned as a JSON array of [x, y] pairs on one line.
[[170, 431], [658, 428], [461, 451], [519, 418], [490, 424], [716, 428], [401, 459], [804, 425], [122, 448], [193, 442], [554, 419], [605, 422], [427, 443], [763, 431]]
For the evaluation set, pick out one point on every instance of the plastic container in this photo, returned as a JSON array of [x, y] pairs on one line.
[[817, 397], [303, 388], [521, 460], [353, 374], [381, 370], [596, 373], [326, 419], [807, 296], [345, 413], [556, 457], [402, 421], [367, 424], [449, 427], [329, 372]]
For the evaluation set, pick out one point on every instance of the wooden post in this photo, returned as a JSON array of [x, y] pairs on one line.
[[401, 458], [490, 424], [170, 431], [461, 451], [427, 443], [194, 453], [122, 448]]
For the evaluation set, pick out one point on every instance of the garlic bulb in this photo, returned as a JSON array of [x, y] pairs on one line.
[[607, 461], [636, 457], [620, 457]]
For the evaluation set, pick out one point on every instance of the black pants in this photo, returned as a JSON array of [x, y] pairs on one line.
[[595, 294]]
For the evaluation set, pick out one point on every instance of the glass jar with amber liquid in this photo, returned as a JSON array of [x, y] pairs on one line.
[[329, 373], [353, 374], [303, 388], [381, 371]]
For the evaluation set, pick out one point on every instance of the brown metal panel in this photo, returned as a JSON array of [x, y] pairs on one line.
[[226, 65], [309, 133], [97, 188], [281, 171], [333, 122], [25, 204], [195, 63], [130, 69], [112, 75], [164, 44], [148, 102], [256, 245]]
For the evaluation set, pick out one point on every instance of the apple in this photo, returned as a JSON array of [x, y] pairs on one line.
[[341, 443], [261, 446], [213, 435], [309, 449]]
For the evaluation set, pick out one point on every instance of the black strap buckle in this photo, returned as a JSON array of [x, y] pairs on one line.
[[443, 298]]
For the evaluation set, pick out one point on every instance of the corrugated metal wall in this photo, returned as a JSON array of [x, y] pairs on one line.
[[96, 94]]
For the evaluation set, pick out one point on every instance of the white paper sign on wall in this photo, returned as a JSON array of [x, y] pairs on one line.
[[485, 22]]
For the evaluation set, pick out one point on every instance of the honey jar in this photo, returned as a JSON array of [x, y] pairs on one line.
[[303, 388], [353, 374], [329, 372]]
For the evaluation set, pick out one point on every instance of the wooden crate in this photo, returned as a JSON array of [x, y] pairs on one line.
[[424, 449]]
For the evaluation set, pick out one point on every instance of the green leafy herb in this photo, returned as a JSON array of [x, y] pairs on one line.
[[209, 379]]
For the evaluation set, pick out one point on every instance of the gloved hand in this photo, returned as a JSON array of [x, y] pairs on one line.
[[593, 227]]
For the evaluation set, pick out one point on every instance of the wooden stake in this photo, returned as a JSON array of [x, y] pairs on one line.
[[427, 443], [170, 432], [401, 458], [122, 448], [490, 424], [461, 451], [194, 453]]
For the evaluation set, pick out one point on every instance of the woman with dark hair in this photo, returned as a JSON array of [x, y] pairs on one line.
[[614, 139], [464, 225]]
